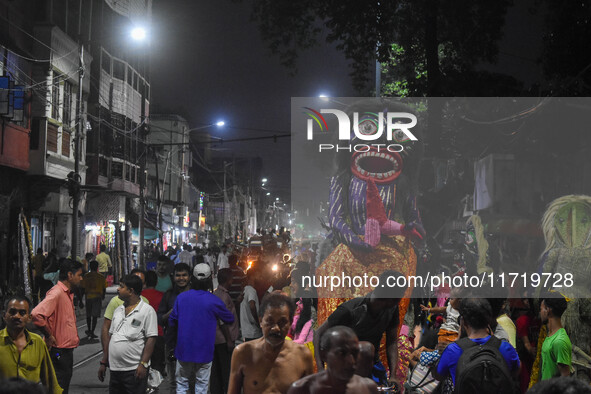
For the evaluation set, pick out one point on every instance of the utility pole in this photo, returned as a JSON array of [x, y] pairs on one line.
[[225, 201], [141, 231], [76, 179], [160, 196], [143, 162]]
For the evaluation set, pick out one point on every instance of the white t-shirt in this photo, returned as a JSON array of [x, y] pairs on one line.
[[186, 257], [223, 261], [129, 334], [207, 259], [451, 319], [247, 323]]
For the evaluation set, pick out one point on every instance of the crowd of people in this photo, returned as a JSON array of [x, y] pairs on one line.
[[215, 324]]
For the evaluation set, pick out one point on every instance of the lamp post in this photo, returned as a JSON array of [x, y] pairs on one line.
[[75, 179], [139, 34], [225, 204]]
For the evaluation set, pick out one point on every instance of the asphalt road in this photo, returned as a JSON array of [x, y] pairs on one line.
[[88, 355]]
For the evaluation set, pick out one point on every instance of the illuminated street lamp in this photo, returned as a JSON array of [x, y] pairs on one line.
[[138, 33], [220, 123]]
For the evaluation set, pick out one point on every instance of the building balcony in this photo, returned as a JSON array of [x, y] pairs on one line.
[[112, 174], [14, 147]]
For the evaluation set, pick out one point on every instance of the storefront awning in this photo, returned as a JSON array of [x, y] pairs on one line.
[[148, 234]]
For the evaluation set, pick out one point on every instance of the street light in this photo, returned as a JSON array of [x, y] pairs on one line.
[[268, 194], [138, 33], [264, 180], [220, 123]]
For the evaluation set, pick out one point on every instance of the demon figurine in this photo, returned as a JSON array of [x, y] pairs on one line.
[[373, 215]]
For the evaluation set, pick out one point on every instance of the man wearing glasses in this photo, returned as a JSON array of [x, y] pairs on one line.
[[24, 354]]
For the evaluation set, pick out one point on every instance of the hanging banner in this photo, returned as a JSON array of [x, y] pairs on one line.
[[24, 254]]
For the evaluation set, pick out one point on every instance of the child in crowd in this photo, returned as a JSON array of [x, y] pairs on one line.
[[449, 331]]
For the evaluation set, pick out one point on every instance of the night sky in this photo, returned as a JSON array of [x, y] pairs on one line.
[[209, 60]]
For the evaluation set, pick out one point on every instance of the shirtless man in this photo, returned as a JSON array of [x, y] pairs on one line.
[[339, 348], [270, 364]]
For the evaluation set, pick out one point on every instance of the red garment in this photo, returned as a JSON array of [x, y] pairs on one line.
[[154, 297], [56, 312], [526, 326]]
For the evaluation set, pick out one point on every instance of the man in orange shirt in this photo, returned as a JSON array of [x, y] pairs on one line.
[[56, 319], [95, 286]]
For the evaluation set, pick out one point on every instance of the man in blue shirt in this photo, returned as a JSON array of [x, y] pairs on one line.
[[475, 317], [194, 317], [182, 283]]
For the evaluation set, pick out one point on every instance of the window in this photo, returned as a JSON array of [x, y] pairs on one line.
[[66, 143], [103, 167], [106, 62], [67, 120], [118, 69], [51, 138], [106, 140], [118, 145], [34, 140], [55, 98], [117, 170]]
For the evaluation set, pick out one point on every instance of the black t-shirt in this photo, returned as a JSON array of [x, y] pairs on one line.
[[355, 314]]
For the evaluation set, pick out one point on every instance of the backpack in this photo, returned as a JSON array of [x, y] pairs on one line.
[[482, 369]]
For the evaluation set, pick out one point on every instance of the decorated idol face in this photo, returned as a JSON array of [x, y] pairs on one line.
[[573, 224], [379, 163]]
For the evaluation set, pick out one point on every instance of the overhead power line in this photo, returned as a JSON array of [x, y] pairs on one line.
[[223, 141]]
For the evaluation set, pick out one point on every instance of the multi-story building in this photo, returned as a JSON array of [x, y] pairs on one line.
[[16, 48], [41, 45], [232, 185], [118, 108], [40, 64], [167, 192]]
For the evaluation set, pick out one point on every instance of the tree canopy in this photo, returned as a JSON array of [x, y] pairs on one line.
[[427, 40]]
